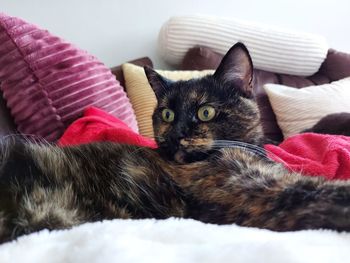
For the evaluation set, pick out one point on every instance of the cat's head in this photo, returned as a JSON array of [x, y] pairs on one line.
[[191, 115]]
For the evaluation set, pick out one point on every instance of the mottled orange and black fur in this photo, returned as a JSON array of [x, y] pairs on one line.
[[228, 90], [48, 187]]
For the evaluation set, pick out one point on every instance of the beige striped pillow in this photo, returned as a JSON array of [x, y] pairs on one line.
[[300, 109], [142, 96]]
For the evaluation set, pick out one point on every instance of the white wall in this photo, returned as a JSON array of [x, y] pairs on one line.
[[120, 30]]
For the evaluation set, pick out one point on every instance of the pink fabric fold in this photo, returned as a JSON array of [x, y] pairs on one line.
[[97, 125], [314, 155]]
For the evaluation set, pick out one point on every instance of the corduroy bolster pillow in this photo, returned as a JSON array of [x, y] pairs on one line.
[[272, 49], [47, 82]]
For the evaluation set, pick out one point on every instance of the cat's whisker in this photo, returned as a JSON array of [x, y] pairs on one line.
[[243, 145], [247, 150], [224, 143], [237, 145]]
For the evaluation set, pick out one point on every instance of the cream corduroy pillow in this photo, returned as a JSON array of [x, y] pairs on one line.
[[300, 109], [142, 96], [272, 48]]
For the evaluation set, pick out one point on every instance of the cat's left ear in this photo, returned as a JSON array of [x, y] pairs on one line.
[[236, 69], [157, 82]]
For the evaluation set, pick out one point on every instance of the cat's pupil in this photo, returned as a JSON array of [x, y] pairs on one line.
[[167, 114], [206, 113]]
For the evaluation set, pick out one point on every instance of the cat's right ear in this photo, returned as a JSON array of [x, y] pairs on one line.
[[236, 69], [157, 82]]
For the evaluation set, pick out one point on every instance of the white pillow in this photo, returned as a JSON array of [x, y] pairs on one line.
[[272, 49], [300, 109]]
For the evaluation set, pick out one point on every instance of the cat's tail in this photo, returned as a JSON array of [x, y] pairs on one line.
[[29, 199]]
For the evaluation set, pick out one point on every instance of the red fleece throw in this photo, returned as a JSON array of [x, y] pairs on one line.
[[309, 153], [314, 154], [97, 125]]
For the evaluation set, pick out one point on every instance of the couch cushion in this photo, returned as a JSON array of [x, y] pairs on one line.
[[336, 66], [47, 82], [271, 48], [142, 96]]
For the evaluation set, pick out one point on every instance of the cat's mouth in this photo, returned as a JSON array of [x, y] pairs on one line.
[[193, 150], [187, 150]]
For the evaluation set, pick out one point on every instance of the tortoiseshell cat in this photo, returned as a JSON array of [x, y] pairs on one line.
[[192, 114], [43, 186]]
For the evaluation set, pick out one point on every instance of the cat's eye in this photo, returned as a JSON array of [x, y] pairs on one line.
[[206, 113], [168, 115]]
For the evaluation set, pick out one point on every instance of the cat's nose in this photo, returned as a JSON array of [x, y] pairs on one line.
[[178, 137], [180, 133]]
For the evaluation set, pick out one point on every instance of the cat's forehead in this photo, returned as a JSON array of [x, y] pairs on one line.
[[193, 92]]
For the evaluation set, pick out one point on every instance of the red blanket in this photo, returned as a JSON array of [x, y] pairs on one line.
[[97, 125], [314, 154], [308, 153]]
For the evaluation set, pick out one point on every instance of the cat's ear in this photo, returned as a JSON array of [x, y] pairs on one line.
[[157, 82], [236, 69]]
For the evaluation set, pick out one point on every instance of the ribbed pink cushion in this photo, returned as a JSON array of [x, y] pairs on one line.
[[48, 82]]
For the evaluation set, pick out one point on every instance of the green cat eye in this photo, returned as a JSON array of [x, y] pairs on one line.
[[206, 113], [168, 115]]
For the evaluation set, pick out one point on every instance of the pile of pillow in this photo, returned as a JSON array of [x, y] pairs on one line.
[[47, 83], [296, 110], [278, 54]]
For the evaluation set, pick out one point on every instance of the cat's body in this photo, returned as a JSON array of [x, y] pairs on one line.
[[44, 187], [51, 187], [197, 172]]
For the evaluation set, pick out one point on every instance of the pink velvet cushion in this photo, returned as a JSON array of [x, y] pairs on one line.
[[48, 82]]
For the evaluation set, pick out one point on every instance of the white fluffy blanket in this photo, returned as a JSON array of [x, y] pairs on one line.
[[176, 240]]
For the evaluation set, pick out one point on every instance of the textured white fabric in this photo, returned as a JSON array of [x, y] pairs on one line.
[[272, 49], [300, 109], [176, 240]]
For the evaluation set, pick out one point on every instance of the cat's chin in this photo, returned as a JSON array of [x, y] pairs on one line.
[[183, 157], [180, 157]]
